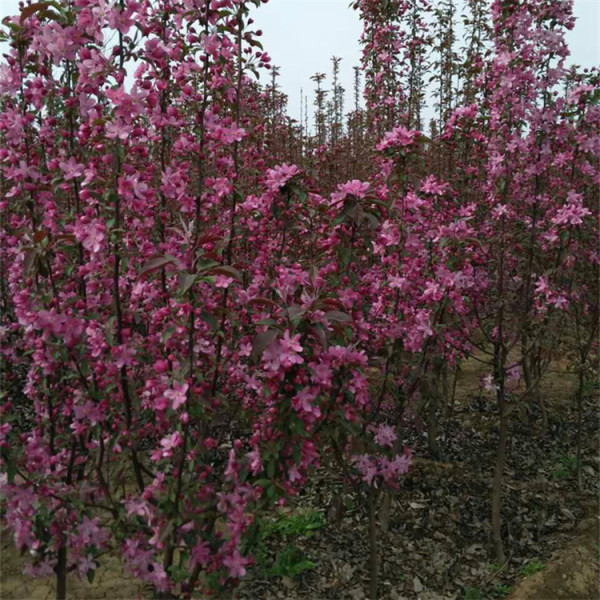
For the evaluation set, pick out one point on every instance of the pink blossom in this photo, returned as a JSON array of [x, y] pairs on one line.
[[200, 554], [222, 281], [284, 352], [385, 436], [322, 374], [499, 211], [402, 462], [303, 402], [355, 188], [574, 211], [177, 395], [560, 302], [367, 468], [232, 134], [140, 508], [118, 130], [279, 176], [254, 461], [85, 564], [91, 235], [293, 474], [399, 137], [513, 373], [168, 444], [489, 383], [430, 185], [290, 347], [45, 568], [231, 472], [541, 286], [389, 235], [89, 530], [123, 355], [236, 564]]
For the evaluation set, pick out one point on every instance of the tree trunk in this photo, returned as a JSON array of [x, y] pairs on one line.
[[497, 484], [579, 422], [61, 573], [374, 558], [450, 405], [532, 372], [537, 392], [528, 376], [525, 361], [433, 426], [385, 511], [430, 392], [444, 389]]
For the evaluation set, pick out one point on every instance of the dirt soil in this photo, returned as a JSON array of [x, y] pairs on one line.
[[111, 581], [573, 574], [438, 543]]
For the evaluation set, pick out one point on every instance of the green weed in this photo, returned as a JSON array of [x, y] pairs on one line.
[[290, 560], [289, 563], [293, 524], [474, 593], [501, 591], [532, 567], [566, 467]]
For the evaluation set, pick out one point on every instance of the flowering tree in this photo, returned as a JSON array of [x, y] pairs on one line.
[[194, 319]]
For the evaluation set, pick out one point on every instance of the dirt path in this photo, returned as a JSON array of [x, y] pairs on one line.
[[574, 574], [111, 581]]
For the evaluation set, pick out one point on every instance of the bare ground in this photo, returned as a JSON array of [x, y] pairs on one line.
[[437, 546]]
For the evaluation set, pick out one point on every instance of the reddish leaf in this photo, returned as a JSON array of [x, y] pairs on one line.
[[30, 258], [211, 256], [157, 263], [263, 302], [226, 270], [39, 236], [330, 302], [32, 9], [64, 238], [208, 238], [263, 340], [321, 335], [338, 315]]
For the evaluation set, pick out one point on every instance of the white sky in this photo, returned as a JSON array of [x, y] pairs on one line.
[[302, 35]]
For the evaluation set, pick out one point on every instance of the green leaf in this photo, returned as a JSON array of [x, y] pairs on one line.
[[210, 319], [297, 427], [11, 471], [295, 313], [186, 282], [350, 210], [267, 321], [169, 331]]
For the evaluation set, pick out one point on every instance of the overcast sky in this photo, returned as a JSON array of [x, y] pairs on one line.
[[302, 35]]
